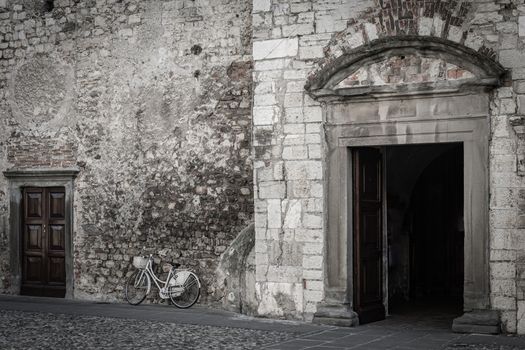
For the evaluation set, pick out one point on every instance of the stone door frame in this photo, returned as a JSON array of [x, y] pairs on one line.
[[356, 124], [17, 180], [395, 114]]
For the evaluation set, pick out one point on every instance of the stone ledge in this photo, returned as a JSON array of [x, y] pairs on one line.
[[336, 315], [477, 321], [41, 172]]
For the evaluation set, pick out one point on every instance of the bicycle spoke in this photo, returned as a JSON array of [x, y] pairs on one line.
[[188, 294], [137, 287]]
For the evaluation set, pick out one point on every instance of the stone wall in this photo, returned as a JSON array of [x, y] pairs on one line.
[[151, 100], [295, 39]]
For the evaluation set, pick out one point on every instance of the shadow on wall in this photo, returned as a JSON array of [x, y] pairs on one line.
[[234, 287]]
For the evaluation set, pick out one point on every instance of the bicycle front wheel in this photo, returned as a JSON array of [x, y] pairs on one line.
[[186, 295], [137, 287]]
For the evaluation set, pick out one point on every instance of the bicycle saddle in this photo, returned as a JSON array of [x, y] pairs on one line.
[[175, 265]]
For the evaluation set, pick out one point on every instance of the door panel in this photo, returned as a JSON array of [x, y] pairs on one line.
[[34, 237], [368, 234], [34, 204], [33, 270], [44, 242], [57, 270], [56, 238], [56, 205]]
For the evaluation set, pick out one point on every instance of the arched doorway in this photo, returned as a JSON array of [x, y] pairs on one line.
[[365, 107]]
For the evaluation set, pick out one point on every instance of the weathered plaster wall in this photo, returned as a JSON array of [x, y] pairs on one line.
[[294, 39], [152, 101]]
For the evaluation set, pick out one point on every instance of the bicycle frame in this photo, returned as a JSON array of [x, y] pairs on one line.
[[153, 276]]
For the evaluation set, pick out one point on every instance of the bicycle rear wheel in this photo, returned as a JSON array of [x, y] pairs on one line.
[[137, 287], [186, 295]]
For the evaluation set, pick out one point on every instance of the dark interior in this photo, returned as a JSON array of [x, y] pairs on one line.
[[425, 228]]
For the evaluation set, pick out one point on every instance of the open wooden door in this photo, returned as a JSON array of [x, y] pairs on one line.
[[368, 234]]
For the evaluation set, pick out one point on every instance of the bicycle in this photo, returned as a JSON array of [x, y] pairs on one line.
[[181, 287]]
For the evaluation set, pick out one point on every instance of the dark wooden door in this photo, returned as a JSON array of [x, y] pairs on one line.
[[368, 234], [43, 242]]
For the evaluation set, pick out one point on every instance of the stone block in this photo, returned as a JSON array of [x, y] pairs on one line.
[[309, 235], [264, 115], [500, 126], [519, 86], [274, 213], [295, 152], [294, 140], [274, 189], [261, 5], [355, 39], [293, 214], [508, 105], [298, 170], [294, 128], [327, 24], [261, 259], [314, 285], [313, 295], [503, 218], [503, 198], [264, 100], [284, 274], [313, 248], [299, 189], [371, 31], [314, 151], [313, 261], [313, 274], [260, 222], [298, 29], [314, 205], [269, 65], [500, 302], [275, 48], [311, 52], [505, 287], [508, 321], [297, 7], [512, 58], [520, 318], [313, 114], [521, 26], [294, 115], [503, 270], [293, 100], [134, 19], [502, 255], [312, 139]]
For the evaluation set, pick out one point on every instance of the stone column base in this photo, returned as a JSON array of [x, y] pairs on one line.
[[336, 315], [477, 321]]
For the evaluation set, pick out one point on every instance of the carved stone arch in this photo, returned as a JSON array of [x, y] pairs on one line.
[[486, 73]]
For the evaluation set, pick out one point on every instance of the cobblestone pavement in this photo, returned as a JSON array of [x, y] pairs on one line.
[[40, 323], [30, 330]]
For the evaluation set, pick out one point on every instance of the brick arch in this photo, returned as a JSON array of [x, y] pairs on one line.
[[487, 72], [445, 19]]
